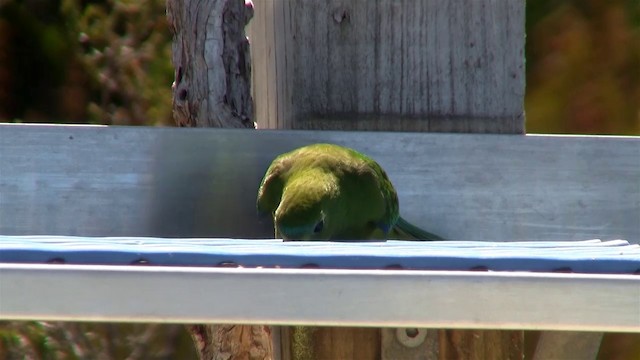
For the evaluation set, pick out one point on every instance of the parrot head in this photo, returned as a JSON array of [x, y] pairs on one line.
[[303, 208], [327, 192]]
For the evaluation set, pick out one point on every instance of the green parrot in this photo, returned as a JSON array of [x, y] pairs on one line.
[[331, 192]]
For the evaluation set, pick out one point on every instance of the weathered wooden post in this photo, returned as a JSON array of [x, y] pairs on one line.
[[411, 65], [212, 63], [212, 89]]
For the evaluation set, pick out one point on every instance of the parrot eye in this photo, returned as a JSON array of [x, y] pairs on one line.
[[318, 227]]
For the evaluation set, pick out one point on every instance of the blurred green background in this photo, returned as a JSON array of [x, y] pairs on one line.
[[109, 62], [73, 61]]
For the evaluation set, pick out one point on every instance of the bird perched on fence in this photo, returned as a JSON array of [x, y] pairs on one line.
[[331, 192]]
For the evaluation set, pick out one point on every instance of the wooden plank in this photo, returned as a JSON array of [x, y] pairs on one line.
[[323, 297], [383, 64], [113, 181], [477, 345], [316, 343], [263, 80]]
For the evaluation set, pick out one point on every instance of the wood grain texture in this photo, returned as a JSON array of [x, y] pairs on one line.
[[454, 65], [212, 63], [242, 342], [325, 343], [478, 345]]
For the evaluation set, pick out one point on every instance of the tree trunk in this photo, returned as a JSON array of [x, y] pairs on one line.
[[212, 63], [212, 88]]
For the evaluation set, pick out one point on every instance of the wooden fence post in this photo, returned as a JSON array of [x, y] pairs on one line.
[[212, 89], [410, 65], [405, 65], [212, 63]]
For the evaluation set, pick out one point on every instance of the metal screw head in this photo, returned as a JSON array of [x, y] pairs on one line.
[[411, 337]]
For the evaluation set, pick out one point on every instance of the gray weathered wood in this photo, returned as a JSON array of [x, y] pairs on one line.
[[113, 181], [212, 63], [389, 64]]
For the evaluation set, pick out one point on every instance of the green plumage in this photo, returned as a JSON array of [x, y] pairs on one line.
[[330, 192]]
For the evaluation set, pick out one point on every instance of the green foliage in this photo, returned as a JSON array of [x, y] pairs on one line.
[[126, 49], [106, 62], [583, 67], [45, 340]]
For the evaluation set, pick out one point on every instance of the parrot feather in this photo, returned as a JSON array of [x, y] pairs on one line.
[[404, 230]]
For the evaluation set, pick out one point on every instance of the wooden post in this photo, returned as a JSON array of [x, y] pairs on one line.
[[212, 63], [212, 89], [399, 65], [406, 65]]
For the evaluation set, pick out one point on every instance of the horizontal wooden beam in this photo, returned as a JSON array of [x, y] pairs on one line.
[[118, 181], [381, 298]]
